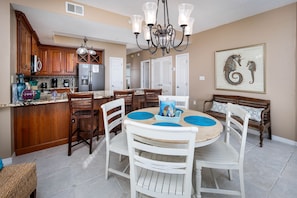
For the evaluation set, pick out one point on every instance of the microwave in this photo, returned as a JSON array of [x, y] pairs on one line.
[[36, 64]]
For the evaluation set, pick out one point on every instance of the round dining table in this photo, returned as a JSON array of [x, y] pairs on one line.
[[209, 128]]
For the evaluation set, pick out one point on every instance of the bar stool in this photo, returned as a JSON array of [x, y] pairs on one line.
[[83, 120], [128, 96], [151, 97]]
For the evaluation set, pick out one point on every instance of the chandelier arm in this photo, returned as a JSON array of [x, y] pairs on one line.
[[180, 50], [136, 34], [182, 40], [148, 46], [155, 36], [167, 13]]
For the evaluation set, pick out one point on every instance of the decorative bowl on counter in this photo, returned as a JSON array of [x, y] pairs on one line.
[[28, 95]]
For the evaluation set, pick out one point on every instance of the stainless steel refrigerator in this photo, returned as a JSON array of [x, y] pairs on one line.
[[91, 77]]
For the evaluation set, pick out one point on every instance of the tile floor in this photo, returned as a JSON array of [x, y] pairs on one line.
[[270, 172]]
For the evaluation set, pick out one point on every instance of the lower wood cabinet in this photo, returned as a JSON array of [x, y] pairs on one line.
[[38, 127]]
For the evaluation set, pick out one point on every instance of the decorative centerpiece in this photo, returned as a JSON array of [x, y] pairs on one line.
[[168, 112]]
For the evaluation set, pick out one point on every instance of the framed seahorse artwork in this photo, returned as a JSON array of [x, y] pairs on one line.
[[241, 69]]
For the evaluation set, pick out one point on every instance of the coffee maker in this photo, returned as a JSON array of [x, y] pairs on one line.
[[54, 82]]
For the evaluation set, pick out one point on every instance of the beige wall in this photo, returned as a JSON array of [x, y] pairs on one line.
[[6, 62], [277, 29]]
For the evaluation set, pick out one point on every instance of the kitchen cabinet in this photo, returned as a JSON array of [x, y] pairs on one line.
[[42, 126], [43, 55], [34, 44], [57, 61], [71, 62], [24, 44]]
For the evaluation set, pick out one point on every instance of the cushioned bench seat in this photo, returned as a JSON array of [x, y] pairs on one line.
[[18, 181]]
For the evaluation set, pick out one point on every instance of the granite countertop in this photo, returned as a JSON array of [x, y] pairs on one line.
[[48, 99]]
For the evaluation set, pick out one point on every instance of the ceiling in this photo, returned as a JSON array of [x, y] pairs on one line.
[[207, 13]]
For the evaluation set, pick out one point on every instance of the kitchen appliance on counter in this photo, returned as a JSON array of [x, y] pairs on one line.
[[91, 77], [54, 82], [66, 82]]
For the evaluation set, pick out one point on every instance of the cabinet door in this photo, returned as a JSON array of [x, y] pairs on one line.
[[71, 63], [24, 51], [43, 53], [34, 45], [57, 61]]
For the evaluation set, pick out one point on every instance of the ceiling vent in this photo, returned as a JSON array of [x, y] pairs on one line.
[[74, 8]]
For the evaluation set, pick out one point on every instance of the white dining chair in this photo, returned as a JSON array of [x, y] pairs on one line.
[[113, 115], [227, 154], [180, 101], [158, 169]]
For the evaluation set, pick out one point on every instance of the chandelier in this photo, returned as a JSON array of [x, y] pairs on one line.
[[158, 36], [83, 49]]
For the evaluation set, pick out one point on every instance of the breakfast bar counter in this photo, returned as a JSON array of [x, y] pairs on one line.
[[43, 124]]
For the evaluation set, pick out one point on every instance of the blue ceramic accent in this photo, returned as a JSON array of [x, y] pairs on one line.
[[199, 121], [1, 164], [170, 124], [140, 115]]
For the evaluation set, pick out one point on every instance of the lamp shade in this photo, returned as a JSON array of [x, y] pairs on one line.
[[82, 50], [136, 23], [189, 27], [146, 33], [185, 11], [150, 10]]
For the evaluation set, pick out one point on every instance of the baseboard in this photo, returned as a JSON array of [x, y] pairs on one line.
[[7, 161]]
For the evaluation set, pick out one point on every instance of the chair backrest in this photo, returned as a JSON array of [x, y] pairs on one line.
[[170, 152], [237, 120], [113, 115], [81, 102], [151, 97], [128, 96], [180, 101]]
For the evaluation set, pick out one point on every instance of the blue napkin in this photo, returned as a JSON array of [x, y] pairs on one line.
[[199, 121], [140, 115], [171, 124]]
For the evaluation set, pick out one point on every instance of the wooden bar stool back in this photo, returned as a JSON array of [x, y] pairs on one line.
[[151, 97], [128, 96], [83, 120]]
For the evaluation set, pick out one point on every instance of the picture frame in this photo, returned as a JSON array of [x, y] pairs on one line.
[[241, 69]]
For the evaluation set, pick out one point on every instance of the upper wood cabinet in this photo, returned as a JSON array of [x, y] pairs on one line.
[[24, 43], [57, 61]]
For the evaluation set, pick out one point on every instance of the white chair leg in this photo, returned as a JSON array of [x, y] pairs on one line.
[[107, 165], [241, 180], [230, 174], [198, 181]]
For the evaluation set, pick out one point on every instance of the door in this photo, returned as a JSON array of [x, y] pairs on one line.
[[145, 74], [116, 73], [162, 74], [182, 75]]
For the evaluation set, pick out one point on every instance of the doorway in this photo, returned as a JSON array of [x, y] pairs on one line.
[[182, 75], [116, 73], [145, 74]]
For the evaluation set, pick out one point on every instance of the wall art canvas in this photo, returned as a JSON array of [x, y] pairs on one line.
[[241, 69]]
